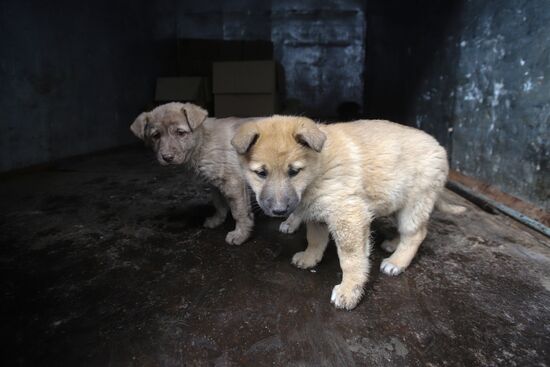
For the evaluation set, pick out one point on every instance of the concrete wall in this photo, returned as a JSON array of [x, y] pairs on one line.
[[320, 44], [476, 75], [493, 83], [73, 75]]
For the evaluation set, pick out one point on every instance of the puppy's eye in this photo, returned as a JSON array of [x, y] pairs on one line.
[[293, 171], [181, 132], [155, 135], [261, 173]]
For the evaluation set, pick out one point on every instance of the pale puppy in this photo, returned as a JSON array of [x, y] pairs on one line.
[[338, 178], [182, 133]]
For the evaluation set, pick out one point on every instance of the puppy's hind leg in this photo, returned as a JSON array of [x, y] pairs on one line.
[[412, 222], [403, 255], [221, 210], [317, 240], [239, 204]]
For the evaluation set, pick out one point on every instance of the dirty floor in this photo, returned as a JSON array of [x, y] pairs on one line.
[[104, 262]]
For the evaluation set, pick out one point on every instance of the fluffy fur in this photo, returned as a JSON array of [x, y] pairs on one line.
[[183, 134], [338, 178]]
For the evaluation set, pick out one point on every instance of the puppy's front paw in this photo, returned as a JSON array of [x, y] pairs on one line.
[[236, 237], [213, 221], [289, 226], [389, 268], [303, 260], [346, 297]]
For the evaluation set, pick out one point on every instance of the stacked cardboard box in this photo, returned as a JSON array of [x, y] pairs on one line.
[[195, 56], [245, 88], [194, 67], [183, 89]]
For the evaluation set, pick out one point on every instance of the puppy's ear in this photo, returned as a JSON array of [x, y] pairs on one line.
[[311, 136], [139, 125], [194, 115], [245, 138]]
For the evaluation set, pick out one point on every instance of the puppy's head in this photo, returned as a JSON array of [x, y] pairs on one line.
[[171, 130], [280, 158]]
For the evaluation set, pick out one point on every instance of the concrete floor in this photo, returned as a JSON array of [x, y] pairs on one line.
[[104, 263]]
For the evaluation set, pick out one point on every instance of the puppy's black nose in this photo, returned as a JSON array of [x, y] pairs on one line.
[[168, 157], [279, 212]]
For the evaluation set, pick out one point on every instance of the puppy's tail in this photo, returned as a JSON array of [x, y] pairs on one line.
[[448, 207]]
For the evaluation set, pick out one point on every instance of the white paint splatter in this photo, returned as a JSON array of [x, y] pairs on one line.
[[473, 93], [527, 85], [499, 51], [498, 90], [521, 62], [418, 121], [463, 44]]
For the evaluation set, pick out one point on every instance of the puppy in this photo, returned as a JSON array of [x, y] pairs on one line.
[[181, 133], [338, 178]]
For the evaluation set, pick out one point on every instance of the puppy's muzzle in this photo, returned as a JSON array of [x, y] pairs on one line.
[[280, 207], [168, 158], [279, 212]]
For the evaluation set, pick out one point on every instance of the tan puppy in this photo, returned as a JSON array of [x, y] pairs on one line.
[[182, 134], [338, 178]]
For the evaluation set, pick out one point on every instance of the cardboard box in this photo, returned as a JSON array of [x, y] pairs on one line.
[[244, 77], [195, 56], [183, 89], [245, 105], [245, 88]]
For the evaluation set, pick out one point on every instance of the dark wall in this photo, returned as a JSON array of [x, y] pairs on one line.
[[475, 74], [73, 76], [320, 44], [404, 40]]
